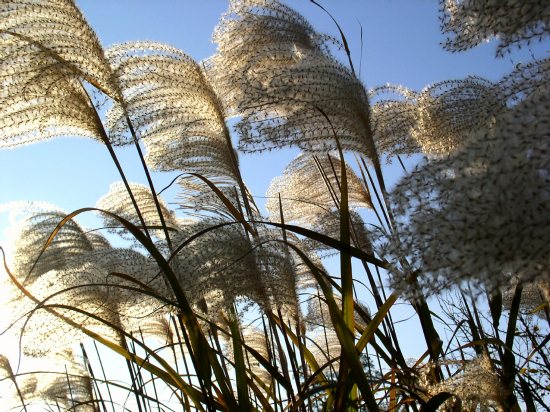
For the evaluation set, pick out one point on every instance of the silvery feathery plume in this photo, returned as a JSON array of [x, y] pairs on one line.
[[219, 263], [88, 288], [256, 339], [173, 109], [476, 385], [117, 286], [225, 265], [125, 275], [39, 270], [278, 267], [310, 186], [79, 269], [67, 384], [39, 330], [329, 224], [195, 196], [309, 189], [276, 72], [46, 51], [483, 210], [326, 347], [98, 241], [111, 285], [442, 117], [29, 259], [393, 118], [318, 314], [304, 276], [162, 331], [447, 111], [533, 296], [118, 202], [15, 391], [468, 23], [157, 327]]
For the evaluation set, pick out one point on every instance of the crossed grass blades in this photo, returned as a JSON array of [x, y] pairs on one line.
[[218, 307]]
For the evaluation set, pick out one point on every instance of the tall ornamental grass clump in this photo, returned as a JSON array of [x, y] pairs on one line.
[[217, 306]]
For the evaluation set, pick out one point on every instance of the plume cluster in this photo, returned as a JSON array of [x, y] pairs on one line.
[[309, 192], [275, 72], [257, 340], [58, 29], [326, 348], [481, 211], [514, 23], [47, 52], [476, 210], [30, 261], [173, 109], [318, 313], [13, 387], [118, 201], [41, 98], [310, 187], [194, 195], [77, 270], [476, 384], [394, 118], [68, 384], [224, 265], [533, 296], [441, 118]]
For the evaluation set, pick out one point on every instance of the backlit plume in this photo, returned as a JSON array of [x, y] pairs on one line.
[[81, 270], [476, 385], [47, 52], [394, 116], [310, 187], [514, 23], [173, 109], [277, 73], [215, 307], [195, 196], [481, 212], [226, 262], [69, 384], [442, 117], [118, 201], [65, 250]]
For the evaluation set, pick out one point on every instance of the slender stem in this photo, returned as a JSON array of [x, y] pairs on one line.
[[149, 180], [380, 203], [510, 402], [107, 142], [104, 375], [92, 375], [14, 380], [131, 371]]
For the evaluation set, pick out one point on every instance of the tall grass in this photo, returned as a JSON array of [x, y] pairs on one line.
[[217, 307]]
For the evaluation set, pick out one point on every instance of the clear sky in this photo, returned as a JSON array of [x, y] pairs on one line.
[[401, 45]]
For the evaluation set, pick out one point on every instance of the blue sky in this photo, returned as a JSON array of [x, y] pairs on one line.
[[401, 46]]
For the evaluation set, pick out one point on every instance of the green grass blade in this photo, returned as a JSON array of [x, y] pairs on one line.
[[310, 359], [240, 369], [371, 328]]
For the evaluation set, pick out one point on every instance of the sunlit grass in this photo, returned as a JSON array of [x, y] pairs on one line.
[[216, 306]]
